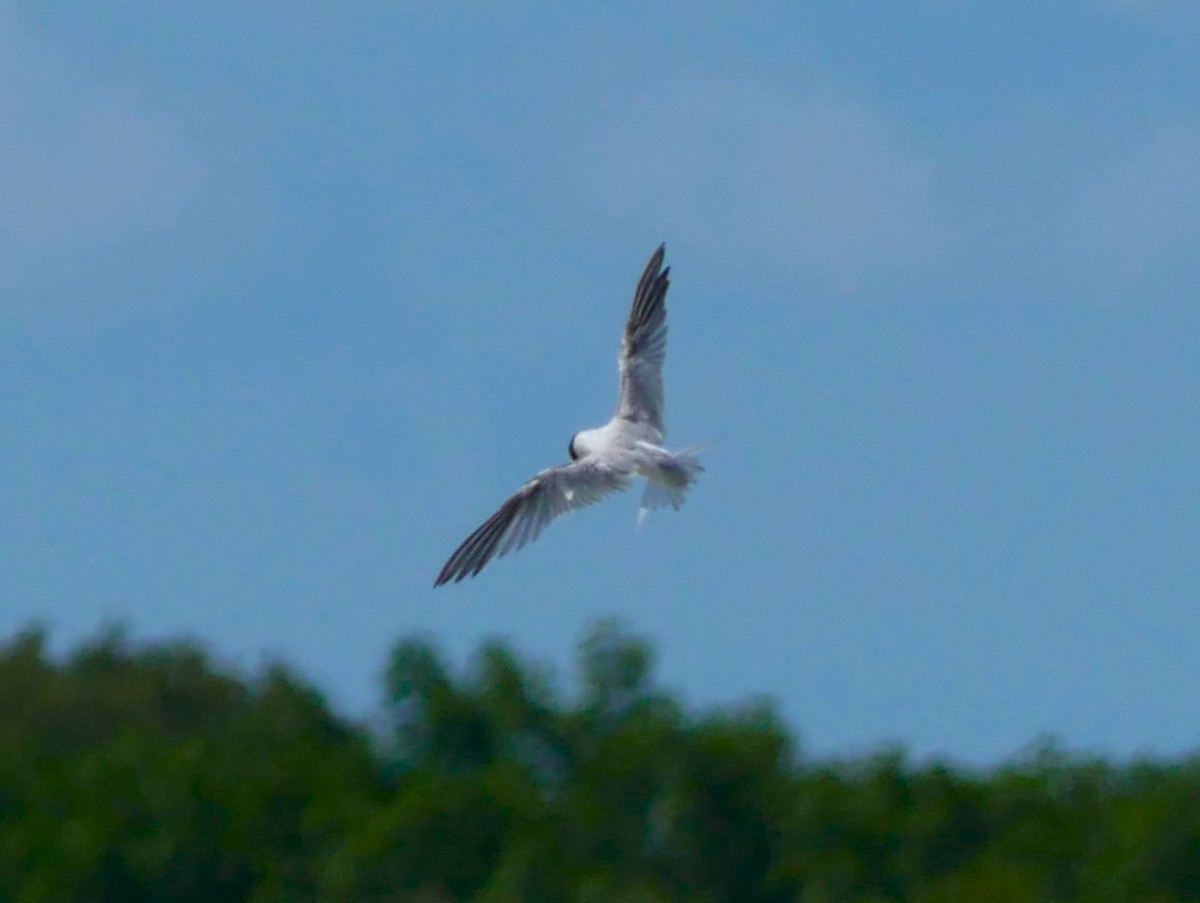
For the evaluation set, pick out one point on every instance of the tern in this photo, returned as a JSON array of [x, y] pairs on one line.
[[604, 459]]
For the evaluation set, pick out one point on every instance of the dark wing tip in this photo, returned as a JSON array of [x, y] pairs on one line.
[[651, 292], [650, 271], [474, 552], [447, 574]]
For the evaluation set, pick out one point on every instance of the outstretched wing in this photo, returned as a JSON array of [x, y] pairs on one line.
[[644, 347], [525, 515]]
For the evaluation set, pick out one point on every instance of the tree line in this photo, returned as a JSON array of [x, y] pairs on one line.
[[151, 772]]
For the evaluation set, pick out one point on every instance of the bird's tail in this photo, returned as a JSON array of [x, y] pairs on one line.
[[674, 478]]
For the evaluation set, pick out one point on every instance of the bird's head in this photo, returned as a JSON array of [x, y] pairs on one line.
[[583, 443]]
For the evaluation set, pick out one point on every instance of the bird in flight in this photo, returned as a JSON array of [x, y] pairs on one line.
[[604, 459]]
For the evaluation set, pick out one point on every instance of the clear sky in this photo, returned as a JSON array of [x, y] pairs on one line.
[[292, 295]]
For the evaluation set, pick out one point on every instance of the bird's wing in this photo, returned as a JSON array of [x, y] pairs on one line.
[[644, 346], [525, 515]]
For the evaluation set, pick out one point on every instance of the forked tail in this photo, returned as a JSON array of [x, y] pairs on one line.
[[674, 478]]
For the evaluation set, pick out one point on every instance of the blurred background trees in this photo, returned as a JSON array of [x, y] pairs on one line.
[[146, 772]]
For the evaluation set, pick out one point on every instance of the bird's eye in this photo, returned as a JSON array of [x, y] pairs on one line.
[[571, 449]]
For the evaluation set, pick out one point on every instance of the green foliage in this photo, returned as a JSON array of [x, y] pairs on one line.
[[149, 772]]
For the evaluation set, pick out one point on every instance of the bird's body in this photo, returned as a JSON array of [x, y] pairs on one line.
[[605, 458]]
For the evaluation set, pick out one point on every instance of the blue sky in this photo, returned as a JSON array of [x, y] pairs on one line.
[[292, 295]]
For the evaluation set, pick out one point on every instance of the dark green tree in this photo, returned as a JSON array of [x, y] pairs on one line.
[[150, 772]]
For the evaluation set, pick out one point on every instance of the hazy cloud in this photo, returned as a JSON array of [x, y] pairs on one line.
[[822, 191], [1137, 213], [99, 178], [802, 183], [1145, 6], [89, 167]]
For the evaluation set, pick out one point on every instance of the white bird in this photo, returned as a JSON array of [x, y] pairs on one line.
[[603, 459]]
